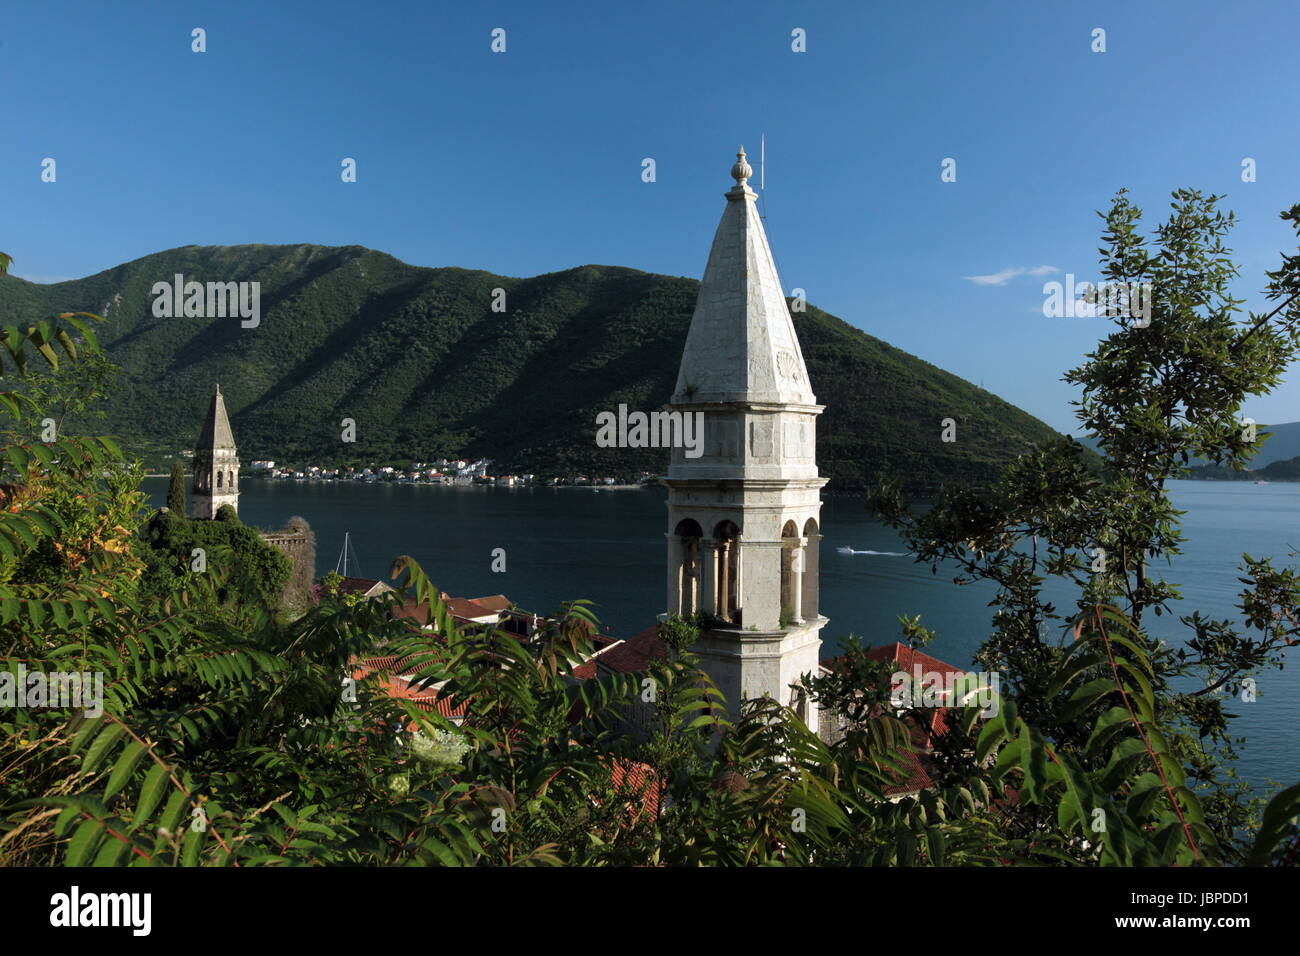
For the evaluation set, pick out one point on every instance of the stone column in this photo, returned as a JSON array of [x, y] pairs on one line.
[[724, 579], [796, 581], [674, 604], [690, 576], [738, 576], [709, 576]]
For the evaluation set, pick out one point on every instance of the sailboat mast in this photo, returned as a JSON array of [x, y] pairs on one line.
[[343, 555]]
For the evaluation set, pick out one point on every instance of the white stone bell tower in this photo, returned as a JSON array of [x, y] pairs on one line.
[[216, 463], [743, 518]]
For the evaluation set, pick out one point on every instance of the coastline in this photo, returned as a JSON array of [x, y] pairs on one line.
[[431, 484]]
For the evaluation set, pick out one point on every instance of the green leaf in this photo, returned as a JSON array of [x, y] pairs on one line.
[[125, 766], [109, 736], [111, 851], [935, 845], [155, 783], [1279, 818], [190, 849], [83, 843]]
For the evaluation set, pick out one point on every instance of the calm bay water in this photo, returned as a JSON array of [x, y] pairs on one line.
[[608, 546]]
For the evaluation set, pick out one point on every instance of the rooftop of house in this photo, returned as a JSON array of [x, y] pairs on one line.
[[628, 656], [908, 658], [467, 610], [633, 655], [493, 602], [398, 682], [463, 610], [917, 764], [415, 611]]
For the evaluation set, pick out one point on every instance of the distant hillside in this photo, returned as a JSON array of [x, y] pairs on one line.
[[426, 369], [1282, 444], [1288, 470]]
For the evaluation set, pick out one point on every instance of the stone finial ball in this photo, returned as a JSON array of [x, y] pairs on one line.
[[742, 170]]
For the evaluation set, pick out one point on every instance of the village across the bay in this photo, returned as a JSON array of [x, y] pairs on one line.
[[443, 471]]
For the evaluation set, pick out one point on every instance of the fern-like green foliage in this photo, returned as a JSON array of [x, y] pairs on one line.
[[1124, 798]]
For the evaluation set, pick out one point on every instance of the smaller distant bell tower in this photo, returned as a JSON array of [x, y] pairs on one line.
[[216, 463]]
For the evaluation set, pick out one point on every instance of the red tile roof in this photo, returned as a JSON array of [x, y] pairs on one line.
[[602, 644], [640, 784], [369, 664], [914, 777], [909, 659], [916, 762], [399, 665], [462, 610], [406, 687], [493, 602], [906, 657], [419, 613], [634, 654], [443, 705], [468, 610]]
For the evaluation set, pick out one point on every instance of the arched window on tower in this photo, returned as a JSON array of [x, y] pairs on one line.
[[791, 568], [811, 568], [689, 578], [230, 480], [727, 538], [218, 479]]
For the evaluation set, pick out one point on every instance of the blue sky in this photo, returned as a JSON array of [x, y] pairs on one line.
[[530, 161]]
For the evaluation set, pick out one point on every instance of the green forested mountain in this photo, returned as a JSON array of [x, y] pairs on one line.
[[1288, 470], [419, 360]]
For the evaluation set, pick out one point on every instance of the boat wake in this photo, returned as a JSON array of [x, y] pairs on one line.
[[892, 554]]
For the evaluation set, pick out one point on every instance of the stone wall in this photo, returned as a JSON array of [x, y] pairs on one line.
[[297, 542]]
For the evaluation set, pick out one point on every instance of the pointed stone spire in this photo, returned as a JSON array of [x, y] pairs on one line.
[[742, 345], [216, 433]]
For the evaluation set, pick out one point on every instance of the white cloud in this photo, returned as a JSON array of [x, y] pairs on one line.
[[1006, 275]]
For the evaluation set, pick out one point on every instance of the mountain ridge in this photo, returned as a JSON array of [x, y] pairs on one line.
[[1283, 444], [418, 359]]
